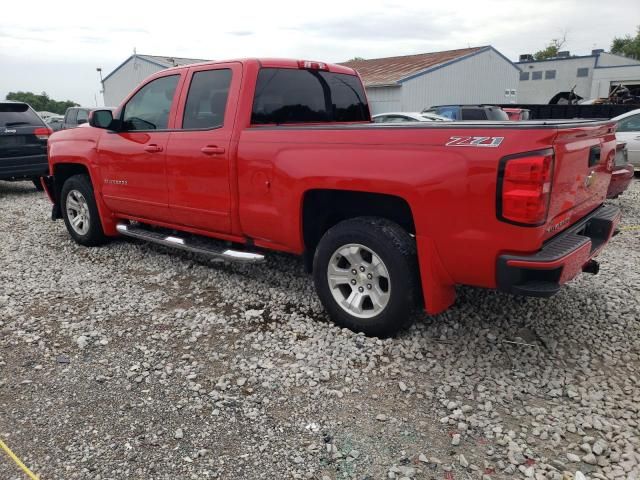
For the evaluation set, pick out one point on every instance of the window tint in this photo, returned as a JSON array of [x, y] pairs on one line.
[[629, 124], [18, 114], [473, 114], [286, 95], [549, 74], [71, 115], [149, 107], [536, 75], [83, 116], [207, 99], [524, 75], [583, 72]]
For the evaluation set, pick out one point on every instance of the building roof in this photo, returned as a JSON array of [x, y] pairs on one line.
[[168, 62], [160, 61], [378, 72]]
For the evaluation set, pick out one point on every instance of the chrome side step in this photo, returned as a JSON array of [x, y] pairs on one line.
[[201, 246]]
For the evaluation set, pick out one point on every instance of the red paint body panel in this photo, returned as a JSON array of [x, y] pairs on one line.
[[621, 178], [256, 187]]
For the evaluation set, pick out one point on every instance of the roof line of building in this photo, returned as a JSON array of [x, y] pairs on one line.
[[137, 55], [575, 57], [455, 60], [618, 66]]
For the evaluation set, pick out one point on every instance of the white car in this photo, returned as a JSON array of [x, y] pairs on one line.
[[402, 117], [629, 132]]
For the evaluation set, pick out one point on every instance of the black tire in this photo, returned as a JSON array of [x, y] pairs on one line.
[[395, 248], [94, 235], [37, 184]]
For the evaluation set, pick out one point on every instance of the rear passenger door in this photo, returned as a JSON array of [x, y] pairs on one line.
[[200, 150]]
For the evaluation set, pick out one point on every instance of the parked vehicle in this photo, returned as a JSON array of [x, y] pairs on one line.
[[23, 143], [628, 131], [282, 155], [76, 116], [622, 173], [517, 114], [403, 117], [469, 112], [55, 123]]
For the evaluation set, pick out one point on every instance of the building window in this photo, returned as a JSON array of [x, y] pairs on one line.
[[583, 72], [549, 74], [536, 75], [524, 75]]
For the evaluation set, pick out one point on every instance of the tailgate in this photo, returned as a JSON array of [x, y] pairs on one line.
[[584, 156]]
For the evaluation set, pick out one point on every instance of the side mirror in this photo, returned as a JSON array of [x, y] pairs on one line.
[[101, 118]]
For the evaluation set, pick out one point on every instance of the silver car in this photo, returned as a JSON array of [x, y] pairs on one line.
[[629, 131], [402, 117]]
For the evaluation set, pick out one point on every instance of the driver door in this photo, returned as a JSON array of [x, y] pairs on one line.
[[132, 161]]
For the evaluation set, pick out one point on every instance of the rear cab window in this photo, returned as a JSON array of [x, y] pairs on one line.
[[288, 95], [207, 99], [18, 115]]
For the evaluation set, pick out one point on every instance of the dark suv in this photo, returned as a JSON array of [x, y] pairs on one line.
[[23, 143], [469, 112]]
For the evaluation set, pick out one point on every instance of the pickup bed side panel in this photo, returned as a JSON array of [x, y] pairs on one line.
[[451, 191]]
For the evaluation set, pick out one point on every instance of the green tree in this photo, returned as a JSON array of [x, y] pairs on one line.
[[627, 46], [355, 59], [42, 102], [551, 50]]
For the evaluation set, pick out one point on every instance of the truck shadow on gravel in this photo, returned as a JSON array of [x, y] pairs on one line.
[[9, 189]]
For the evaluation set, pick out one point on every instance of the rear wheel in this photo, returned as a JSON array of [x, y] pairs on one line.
[[365, 275], [80, 212]]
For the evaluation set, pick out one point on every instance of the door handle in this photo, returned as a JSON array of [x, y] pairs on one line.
[[212, 150], [153, 148]]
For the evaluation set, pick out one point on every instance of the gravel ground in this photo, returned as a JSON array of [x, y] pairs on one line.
[[133, 362]]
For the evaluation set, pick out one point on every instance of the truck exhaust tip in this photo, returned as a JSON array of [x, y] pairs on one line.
[[592, 267]]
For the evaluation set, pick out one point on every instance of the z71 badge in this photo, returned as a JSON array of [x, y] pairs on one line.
[[490, 142]]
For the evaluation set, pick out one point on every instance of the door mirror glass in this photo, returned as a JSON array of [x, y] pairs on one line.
[[101, 118]]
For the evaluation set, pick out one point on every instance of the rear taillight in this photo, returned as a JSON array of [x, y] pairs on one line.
[[42, 133], [524, 188]]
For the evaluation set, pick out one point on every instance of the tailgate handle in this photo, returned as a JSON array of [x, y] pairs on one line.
[[594, 155]]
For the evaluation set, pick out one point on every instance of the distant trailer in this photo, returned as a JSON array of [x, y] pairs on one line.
[[555, 112]]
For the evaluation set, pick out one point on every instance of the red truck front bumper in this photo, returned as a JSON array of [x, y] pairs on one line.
[[561, 258]]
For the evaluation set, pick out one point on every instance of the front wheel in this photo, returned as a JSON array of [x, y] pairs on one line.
[[366, 275], [80, 212]]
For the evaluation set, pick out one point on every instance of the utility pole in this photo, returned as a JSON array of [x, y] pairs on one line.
[[99, 70]]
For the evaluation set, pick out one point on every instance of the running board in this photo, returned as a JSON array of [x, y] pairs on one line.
[[200, 245]]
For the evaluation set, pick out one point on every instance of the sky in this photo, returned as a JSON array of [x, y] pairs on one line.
[[57, 46]]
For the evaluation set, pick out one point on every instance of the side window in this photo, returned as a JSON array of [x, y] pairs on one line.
[[381, 119], [83, 116], [524, 76], [536, 75], [207, 99], [449, 112], [583, 72], [549, 74], [285, 95], [149, 108], [629, 124], [71, 116], [474, 114]]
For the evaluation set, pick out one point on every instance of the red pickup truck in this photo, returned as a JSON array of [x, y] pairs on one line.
[[234, 158]]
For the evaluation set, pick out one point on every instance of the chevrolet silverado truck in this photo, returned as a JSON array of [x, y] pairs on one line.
[[235, 158]]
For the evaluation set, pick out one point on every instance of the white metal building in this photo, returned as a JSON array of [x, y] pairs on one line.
[[119, 83], [592, 75], [413, 82]]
